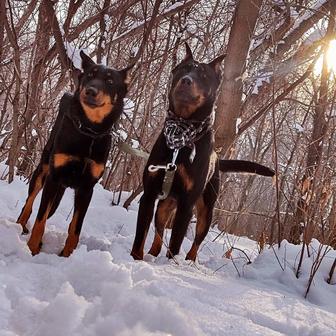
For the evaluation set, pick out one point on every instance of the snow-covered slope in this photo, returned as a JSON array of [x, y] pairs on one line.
[[101, 291]]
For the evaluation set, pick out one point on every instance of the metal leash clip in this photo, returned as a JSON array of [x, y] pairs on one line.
[[155, 168], [171, 166], [168, 179]]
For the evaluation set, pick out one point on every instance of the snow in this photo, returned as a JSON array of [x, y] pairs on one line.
[[260, 80], [100, 290], [129, 106], [238, 122], [74, 54], [298, 128], [308, 13]]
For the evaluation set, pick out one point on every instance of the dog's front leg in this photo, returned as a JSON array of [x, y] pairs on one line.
[[145, 215], [180, 225], [83, 197], [165, 212], [49, 191], [35, 186]]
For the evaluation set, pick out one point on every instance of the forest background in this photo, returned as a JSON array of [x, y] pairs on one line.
[[276, 102]]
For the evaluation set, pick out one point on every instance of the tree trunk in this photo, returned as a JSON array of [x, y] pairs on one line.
[[35, 81], [309, 183], [230, 97]]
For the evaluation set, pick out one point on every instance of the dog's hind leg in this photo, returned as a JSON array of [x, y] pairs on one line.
[[35, 186], [181, 222], [164, 213], [83, 197], [57, 200], [204, 206], [48, 195]]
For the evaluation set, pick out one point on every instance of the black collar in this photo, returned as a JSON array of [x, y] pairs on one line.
[[88, 131]]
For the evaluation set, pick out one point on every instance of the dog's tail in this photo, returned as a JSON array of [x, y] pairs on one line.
[[241, 166]]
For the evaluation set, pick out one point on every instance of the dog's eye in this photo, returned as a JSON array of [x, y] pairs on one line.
[[90, 75], [109, 80]]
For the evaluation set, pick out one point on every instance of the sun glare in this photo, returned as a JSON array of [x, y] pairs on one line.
[[331, 59]]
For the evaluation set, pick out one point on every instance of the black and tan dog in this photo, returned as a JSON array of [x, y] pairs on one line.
[[77, 149], [196, 181]]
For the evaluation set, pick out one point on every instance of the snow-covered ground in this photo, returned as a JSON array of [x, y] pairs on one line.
[[101, 291]]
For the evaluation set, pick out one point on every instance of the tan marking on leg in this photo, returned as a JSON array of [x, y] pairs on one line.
[[187, 180], [166, 210], [156, 245], [202, 212], [97, 114], [72, 239], [23, 219], [192, 254], [97, 169], [201, 223], [27, 209], [61, 159], [35, 239], [164, 215]]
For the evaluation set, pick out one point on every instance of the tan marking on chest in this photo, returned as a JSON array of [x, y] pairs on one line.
[[152, 174], [187, 180], [97, 114], [61, 159], [97, 169]]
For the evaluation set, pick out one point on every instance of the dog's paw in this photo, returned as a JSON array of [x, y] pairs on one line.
[[65, 253], [25, 231], [137, 255], [34, 248]]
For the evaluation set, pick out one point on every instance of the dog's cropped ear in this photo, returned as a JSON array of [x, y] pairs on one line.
[[87, 62], [126, 73], [76, 76], [188, 56], [216, 63]]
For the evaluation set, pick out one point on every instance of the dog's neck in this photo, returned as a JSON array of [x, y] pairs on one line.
[[202, 113]]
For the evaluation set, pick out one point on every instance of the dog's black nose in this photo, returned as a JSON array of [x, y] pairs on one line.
[[91, 91], [186, 80]]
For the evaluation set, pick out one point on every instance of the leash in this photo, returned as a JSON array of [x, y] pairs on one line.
[[179, 133], [168, 179]]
